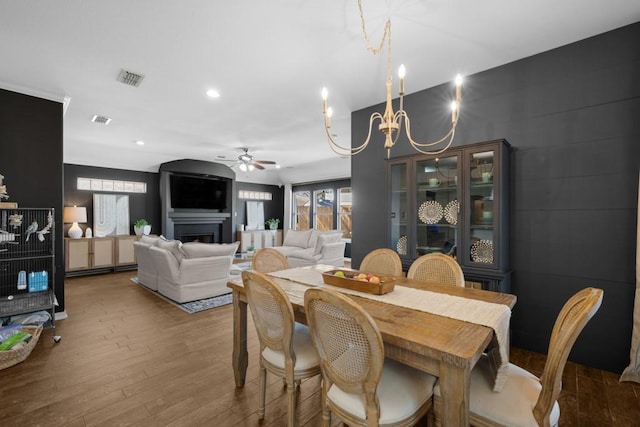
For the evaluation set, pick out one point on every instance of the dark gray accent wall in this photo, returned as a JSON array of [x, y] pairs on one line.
[[31, 161], [141, 205], [572, 115], [273, 208]]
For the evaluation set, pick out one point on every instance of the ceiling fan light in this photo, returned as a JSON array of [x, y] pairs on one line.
[[243, 167], [251, 167]]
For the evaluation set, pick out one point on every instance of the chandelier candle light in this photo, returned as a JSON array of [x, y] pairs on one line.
[[391, 121]]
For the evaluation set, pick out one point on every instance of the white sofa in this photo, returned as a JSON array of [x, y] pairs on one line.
[[190, 271], [147, 274], [311, 247]]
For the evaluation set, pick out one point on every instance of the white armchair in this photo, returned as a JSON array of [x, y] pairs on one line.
[[192, 271], [311, 247], [330, 254]]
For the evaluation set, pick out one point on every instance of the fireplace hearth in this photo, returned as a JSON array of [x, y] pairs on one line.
[[205, 233]]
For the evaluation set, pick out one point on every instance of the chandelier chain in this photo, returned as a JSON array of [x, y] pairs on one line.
[[386, 35]]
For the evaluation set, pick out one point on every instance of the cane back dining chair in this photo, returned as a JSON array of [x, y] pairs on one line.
[[358, 384], [267, 260], [286, 349], [526, 400], [382, 261], [436, 267]]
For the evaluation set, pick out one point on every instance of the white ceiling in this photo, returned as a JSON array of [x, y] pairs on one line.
[[268, 59]]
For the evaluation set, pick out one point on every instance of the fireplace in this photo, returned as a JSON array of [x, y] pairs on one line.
[[202, 224], [201, 238], [204, 233]]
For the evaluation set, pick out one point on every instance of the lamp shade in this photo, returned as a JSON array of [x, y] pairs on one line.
[[75, 215]]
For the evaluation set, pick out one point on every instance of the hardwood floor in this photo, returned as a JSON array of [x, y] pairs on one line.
[[128, 357]]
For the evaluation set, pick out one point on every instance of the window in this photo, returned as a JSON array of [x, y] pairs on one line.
[[344, 213], [323, 209], [322, 206], [301, 212]]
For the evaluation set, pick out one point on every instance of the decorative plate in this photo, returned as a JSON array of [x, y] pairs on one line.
[[482, 251], [401, 246], [451, 212], [430, 212]]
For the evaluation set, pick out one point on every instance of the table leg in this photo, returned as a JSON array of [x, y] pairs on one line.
[[240, 355], [455, 389]]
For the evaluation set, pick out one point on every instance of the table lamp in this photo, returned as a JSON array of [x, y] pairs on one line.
[[75, 215]]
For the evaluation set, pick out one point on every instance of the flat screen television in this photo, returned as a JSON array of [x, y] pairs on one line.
[[192, 192]]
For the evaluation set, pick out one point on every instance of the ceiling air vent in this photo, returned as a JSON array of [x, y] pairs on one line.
[[101, 120], [130, 78]]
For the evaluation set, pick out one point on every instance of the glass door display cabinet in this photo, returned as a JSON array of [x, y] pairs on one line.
[[456, 204]]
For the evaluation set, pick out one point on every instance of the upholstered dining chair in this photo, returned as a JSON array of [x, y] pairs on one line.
[[358, 384], [526, 400], [436, 267], [286, 349], [382, 261], [267, 260]]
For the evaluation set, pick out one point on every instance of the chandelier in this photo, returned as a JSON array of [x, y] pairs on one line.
[[391, 122]]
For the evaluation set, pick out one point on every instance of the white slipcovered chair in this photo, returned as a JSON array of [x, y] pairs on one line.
[[311, 247], [192, 271]]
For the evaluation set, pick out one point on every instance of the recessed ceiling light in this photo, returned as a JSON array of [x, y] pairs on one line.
[[277, 166], [140, 142], [213, 93], [100, 119]]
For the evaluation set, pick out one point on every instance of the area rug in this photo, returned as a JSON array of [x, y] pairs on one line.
[[193, 306]]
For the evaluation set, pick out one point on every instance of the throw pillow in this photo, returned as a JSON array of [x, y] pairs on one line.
[[297, 238], [173, 246], [324, 239], [201, 250], [313, 239], [149, 240]]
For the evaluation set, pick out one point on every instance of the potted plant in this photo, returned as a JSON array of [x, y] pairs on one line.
[[141, 227], [250, 250], [272, 223]]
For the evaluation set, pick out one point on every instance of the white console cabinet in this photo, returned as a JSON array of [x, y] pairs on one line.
[[259, 239]]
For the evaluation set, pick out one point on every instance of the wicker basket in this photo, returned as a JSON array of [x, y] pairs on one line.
[[13, 357]]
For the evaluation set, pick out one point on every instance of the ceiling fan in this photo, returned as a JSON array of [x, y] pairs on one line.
[[246, 162]]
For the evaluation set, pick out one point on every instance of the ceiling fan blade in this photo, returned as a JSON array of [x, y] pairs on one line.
[[257, 166], [265, 162]]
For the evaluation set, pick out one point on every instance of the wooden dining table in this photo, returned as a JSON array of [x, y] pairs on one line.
[[442, 346]]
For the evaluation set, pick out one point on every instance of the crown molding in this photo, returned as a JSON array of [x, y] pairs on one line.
[[51, 96]]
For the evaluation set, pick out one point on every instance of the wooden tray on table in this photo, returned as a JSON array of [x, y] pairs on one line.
[[349, 281]]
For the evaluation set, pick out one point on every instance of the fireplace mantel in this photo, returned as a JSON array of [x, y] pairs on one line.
[[194, 221], [198, 217]]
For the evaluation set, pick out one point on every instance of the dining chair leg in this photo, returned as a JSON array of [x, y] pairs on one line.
[[263, 392], [326, 414], [291, 396]]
